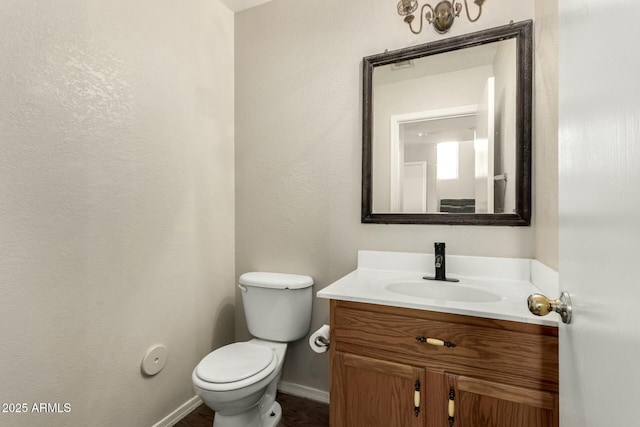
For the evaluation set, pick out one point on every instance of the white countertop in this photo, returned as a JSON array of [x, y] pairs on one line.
[[512, 279]]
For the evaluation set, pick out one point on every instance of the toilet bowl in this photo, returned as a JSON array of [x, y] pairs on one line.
[[239, 381], [235, 380]]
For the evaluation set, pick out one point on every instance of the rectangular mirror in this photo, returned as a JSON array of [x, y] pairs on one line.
[[447, 131]]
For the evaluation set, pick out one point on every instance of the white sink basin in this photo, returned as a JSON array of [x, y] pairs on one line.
[[443, 291]]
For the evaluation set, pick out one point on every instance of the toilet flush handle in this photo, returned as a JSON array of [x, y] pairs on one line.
[[243, 288]]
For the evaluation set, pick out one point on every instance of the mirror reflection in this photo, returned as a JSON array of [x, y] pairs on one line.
[[447, 131], [444, 140]]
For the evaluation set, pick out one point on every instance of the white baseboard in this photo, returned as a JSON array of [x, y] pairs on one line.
[[304, 391], [185, 409]]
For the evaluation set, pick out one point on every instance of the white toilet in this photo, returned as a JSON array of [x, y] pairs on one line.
[[239, 381]]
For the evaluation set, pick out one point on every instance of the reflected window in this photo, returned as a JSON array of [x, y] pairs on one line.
[[447, 158]]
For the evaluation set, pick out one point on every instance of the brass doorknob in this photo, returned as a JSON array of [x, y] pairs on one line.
[[540, 305]]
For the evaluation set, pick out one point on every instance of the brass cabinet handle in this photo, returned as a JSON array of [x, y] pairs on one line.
[[436, 342], [540, 305], [452, 407], [416, 398]]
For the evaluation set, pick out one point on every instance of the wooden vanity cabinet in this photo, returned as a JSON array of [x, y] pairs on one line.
[[394, 366]]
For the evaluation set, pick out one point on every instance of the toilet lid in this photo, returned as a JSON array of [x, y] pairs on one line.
[[234, 362]]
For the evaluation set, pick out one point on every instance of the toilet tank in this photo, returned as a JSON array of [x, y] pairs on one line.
[[277, 306]]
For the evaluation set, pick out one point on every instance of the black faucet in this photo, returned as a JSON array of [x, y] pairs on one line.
[[440, 265]]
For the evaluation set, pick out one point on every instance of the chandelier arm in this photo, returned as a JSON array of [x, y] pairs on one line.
[[456, 11], [466, 9], [421, 14], [433, 13], [411, 27]]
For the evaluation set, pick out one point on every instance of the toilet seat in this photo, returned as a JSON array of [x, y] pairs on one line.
[[236, 366]]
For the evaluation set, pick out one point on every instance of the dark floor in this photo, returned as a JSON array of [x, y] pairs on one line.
[[296, 411]]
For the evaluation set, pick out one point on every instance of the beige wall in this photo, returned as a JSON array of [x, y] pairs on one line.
[[116, 203], [298, 150]]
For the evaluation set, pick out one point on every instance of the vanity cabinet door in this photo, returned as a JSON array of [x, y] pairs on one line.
[[376, 393], [478, 403]]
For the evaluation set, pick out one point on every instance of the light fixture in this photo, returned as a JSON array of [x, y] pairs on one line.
[[441, 16]]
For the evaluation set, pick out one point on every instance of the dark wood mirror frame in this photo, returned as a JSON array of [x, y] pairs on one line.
[[523, 33]]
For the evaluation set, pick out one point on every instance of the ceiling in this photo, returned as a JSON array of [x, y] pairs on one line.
[[238, 5]]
